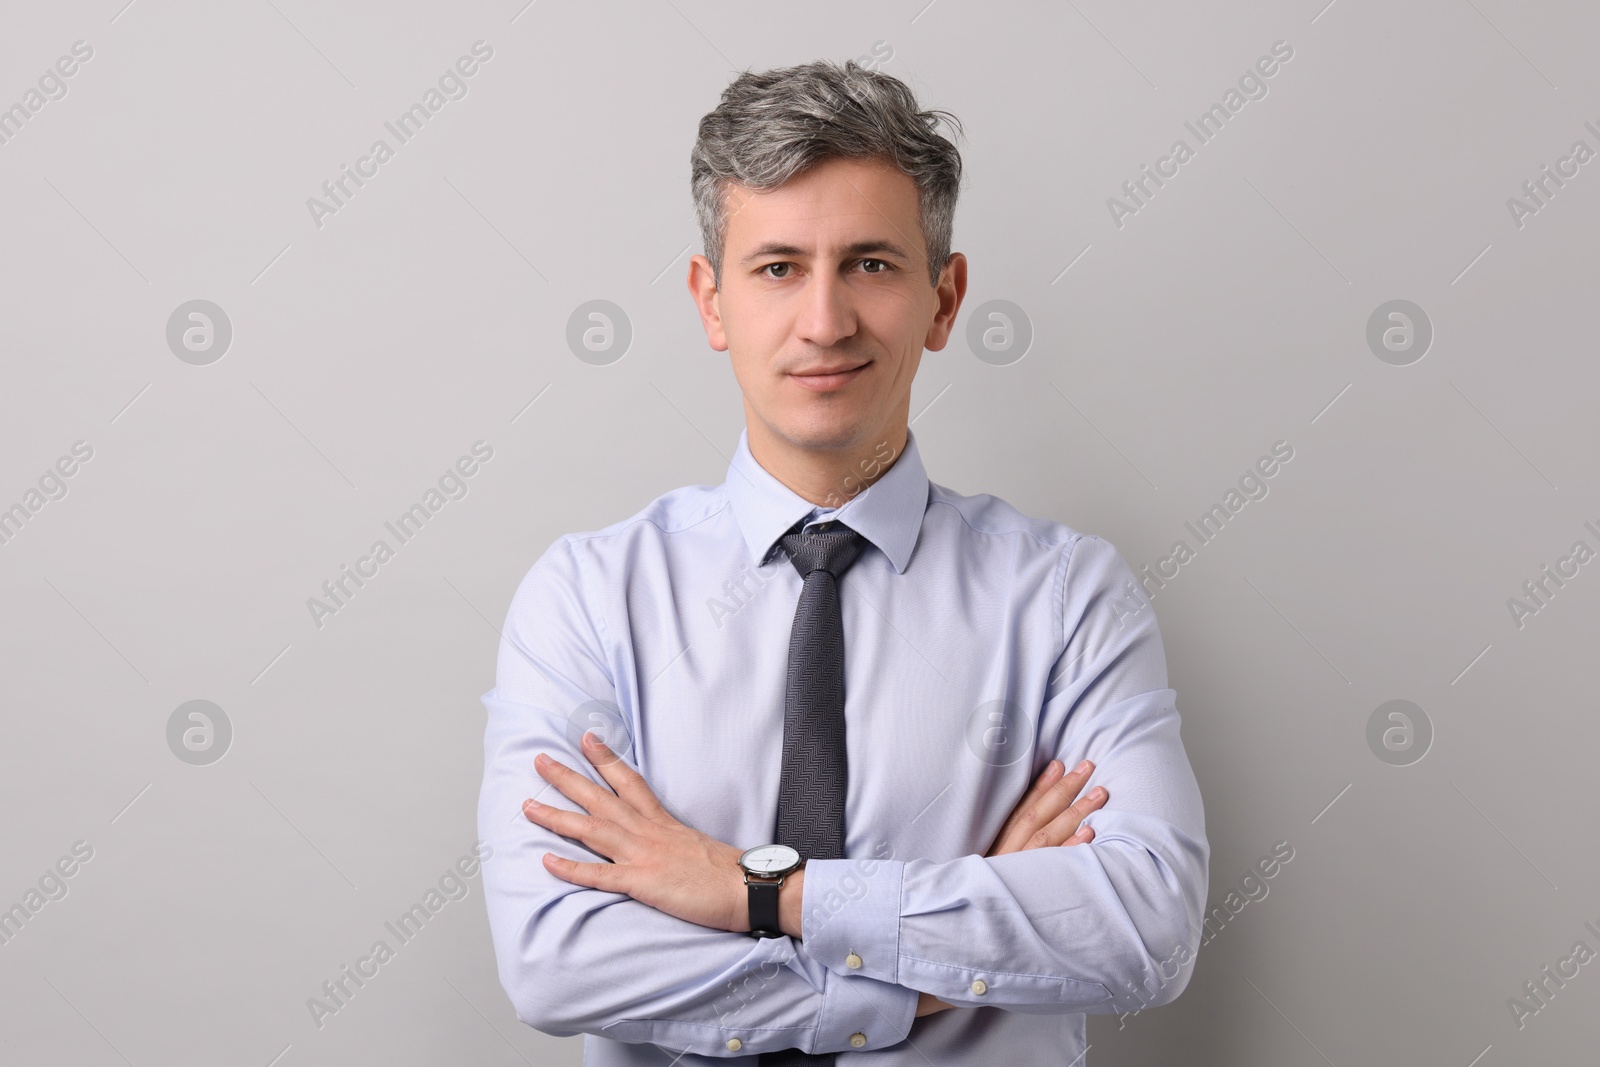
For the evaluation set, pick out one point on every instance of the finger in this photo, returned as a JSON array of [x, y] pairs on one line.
[[1067, 828], [596, 834], [607, 876], [1012, 832], [1052, 801], [1060, 796], [601, 753], [628, 783], [579, 788], [1046, 779]]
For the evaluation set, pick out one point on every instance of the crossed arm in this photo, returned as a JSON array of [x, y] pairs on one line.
[[676, 869], [637, 950]]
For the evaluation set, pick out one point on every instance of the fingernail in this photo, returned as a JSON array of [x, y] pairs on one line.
[[1098, 793], [540, 760], [530, 803], [1080, 768]]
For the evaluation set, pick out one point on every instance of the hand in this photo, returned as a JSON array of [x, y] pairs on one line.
[[655, 859], [1045, 816]]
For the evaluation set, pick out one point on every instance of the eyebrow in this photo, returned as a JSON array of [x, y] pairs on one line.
[[860, 248]]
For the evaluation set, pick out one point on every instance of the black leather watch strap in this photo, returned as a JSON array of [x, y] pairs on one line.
[[763, 908]]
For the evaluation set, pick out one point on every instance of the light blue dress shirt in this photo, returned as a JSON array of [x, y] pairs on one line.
[[979, 644]]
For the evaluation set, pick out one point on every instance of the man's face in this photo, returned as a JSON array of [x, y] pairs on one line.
[[824, 273]]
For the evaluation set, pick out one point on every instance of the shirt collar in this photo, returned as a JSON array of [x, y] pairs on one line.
[[888, 513]]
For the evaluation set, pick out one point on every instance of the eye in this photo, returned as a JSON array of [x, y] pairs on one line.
[[886, 267], [769, 266]]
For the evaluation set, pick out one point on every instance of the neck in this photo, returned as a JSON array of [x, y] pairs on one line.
[[828, 477]]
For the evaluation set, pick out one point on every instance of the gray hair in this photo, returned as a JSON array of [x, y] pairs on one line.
[[773, 125]]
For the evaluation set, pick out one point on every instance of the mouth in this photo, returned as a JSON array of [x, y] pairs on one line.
[[830, 379]]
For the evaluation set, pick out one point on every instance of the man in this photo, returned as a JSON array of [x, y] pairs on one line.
[[830, 660]]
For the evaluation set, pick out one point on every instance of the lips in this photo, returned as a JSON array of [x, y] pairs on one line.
[[825, 378], [838, 368]]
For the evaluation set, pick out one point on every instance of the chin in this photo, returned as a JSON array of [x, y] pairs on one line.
[[838, 431]]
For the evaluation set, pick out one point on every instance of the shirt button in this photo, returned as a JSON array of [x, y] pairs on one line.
[[857, 1040], [980, 987], [734, 1044], [853, 962]]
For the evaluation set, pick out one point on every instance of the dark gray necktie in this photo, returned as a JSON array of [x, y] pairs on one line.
[[811, 790]]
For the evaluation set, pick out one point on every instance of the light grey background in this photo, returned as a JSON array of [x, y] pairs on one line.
[[431, 311]]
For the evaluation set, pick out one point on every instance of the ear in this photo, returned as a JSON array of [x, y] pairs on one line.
[[951, 289], [703, 288]]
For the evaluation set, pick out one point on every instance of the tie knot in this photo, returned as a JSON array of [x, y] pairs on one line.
[[832, 547]]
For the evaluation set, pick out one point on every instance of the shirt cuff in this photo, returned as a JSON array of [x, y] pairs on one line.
[[850, 923], [850, 916], [860, 1014], [854, 1015]]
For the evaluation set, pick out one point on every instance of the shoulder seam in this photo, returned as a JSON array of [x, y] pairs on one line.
[[593, 609], [1069, 552], [1076, 535], [629, 523]]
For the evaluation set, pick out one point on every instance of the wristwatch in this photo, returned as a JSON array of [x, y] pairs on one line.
[[765, 868]]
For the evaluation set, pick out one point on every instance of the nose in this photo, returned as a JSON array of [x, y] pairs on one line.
[[827, 315]]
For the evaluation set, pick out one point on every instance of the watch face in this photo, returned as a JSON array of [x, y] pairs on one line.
[[769, 859]]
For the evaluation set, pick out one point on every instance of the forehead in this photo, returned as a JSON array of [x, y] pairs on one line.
[[835, 202]]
